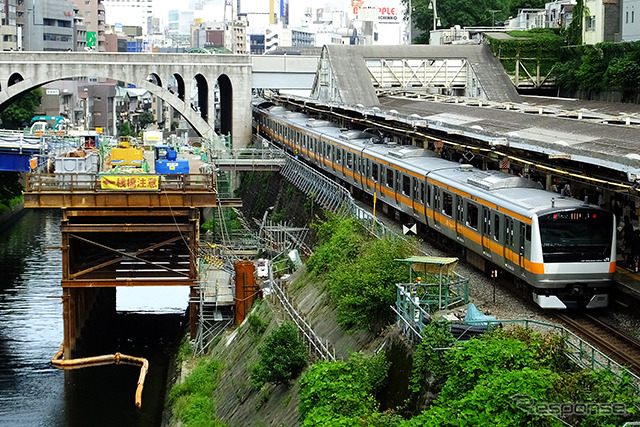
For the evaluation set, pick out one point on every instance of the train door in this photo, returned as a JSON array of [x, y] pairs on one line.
[[522, 229], [437, 206], [328, 156], [348, 156], [406, 192], [423, 199], [363, 170], [486, 231], [397, 186], [496, 234], [388, 182], [510, 258], [459, 217], [415, 196], [375, 173]]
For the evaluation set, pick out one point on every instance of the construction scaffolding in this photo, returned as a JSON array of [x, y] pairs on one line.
[[330, 195], [436, 287], [215, 305]]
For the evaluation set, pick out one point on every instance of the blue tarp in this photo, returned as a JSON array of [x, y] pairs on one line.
[[475, 316]]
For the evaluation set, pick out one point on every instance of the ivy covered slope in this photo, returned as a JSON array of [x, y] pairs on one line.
[[578, 69], [591, 69], [539, 46]]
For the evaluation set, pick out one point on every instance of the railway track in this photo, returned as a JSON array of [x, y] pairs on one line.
[[615, 344]]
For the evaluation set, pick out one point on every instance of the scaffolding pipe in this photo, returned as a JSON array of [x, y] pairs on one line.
[[106, 359]]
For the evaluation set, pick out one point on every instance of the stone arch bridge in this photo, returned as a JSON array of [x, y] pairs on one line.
[[21, 72]]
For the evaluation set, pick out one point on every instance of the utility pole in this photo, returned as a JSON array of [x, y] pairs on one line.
[[493, 17]]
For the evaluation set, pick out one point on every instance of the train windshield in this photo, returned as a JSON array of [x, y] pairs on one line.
[[576, 236]]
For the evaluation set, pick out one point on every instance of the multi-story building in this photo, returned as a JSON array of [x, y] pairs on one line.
[[603, 22], [558, 13], [93, 16], [235, 35], [9, 24], [129, 12], [48, 25], [630, 20], [80, 31]]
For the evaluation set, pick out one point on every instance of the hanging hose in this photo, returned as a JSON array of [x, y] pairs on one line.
[[106, 359]]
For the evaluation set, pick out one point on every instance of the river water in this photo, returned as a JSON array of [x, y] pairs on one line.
[[32, 391]]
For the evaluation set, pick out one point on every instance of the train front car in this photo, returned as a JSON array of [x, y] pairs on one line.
[[573, 254]]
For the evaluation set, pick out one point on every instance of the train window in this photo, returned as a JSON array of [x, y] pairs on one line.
[[528, 233], [472, 215], [496, 227], [389, 177], [374, 172], [436, 199], [349, 160], [406, 185], [429, 191], [447, 203], [421, 193], [338, 156]]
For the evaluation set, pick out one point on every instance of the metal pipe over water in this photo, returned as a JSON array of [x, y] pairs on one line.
[[106, 359]]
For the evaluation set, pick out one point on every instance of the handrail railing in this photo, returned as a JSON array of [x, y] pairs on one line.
[[83, 182], [578, 350]]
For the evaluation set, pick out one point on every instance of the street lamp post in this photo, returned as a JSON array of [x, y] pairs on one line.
[[410, 23], [493, 17], [432, 5]]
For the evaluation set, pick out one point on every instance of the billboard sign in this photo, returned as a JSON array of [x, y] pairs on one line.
[[382, 11], [91, 39]]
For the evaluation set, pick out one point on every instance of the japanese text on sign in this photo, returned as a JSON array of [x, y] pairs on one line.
[[145, 182]]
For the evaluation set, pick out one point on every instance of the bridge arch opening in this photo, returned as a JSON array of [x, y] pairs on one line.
[[15, 78], [199, 125], [202, 95], [155, 79], [176, 86], [226, 104]]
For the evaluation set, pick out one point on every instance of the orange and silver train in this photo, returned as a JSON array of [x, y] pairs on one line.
[[562, 248]]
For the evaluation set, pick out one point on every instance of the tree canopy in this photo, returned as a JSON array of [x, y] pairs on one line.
[[20, 113], [465, 13]]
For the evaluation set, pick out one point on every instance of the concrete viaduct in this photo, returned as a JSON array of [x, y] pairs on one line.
[[235, 76]]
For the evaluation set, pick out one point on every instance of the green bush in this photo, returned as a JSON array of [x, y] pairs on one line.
[[283, 356], [257, 325], [192, 400], [338, 393], [360, 271]]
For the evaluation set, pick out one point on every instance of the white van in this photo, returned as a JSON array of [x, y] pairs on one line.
[[263, 268]]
